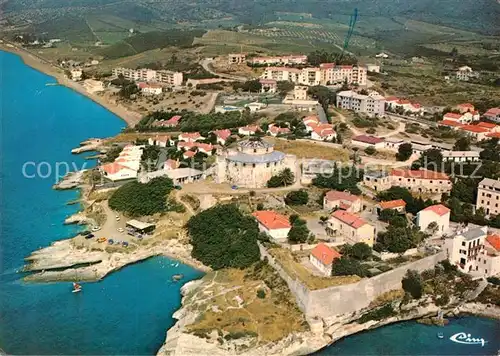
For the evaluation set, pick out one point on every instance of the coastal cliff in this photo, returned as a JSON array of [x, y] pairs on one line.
[[183, 339]]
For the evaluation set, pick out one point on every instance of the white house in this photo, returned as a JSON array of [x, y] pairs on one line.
[[398, 205], [460, 156], [275, 130], [323, 132], [248, 130], [222, 135], [342, 200], [162, 141], [115, 172], [190, 137], [434, 213], [474, 251], [322, 258], [150, 89], [275, 225]]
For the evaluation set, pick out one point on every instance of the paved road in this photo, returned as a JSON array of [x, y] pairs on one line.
[[206, 64]]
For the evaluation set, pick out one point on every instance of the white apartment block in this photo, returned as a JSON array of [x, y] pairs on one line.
[[326, 74], [474, 252], [371, 104], [279, 60], [488, 196], [149, 75]]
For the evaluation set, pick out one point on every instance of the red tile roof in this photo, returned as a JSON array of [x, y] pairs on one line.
[[223, 134], [334, 195], [494, 134], [466, 106], [486, 125], [112, 168], [419, 174], [452, 116], [492, 112], [438, 209], [392, 98], [392, 204], [174, 120], [189, 154], [327, 65], [325, 254], [277, 130], [348, 218], [450, 123], [170, 163], [494, 241], [368, 139], [324, 130], [403, 101], [272, 220], [267, 81], [475, 128], [250, 128], [189, 135], [311, 118]]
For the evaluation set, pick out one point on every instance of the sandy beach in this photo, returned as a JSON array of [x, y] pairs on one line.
[[40, 64]]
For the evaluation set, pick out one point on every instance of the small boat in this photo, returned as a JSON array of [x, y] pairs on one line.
[[76, 288], [440, 335], [177, 277], [177, 264]]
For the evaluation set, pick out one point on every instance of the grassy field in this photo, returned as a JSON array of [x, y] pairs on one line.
[[296, 270], [229, 303], [306, 149]]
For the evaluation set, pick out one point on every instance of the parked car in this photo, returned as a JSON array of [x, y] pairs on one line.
[[120, 229], [89, 236]]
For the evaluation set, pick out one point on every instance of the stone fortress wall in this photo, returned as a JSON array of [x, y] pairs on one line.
[[349, 298]]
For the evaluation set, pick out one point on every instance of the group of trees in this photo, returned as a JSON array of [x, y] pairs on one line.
[[351, 261], [299, 233], [231, 242], [297, 197], [399, 236], [405, 151], [253, 86], [321, 56], [111, 154], [137, 199], [324, 96], [192, 121], [283, 179], [341, 178]]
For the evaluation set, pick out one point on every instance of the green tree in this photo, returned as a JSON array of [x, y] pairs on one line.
[[370, 150], [361, 251], [137, 199], [299, 197], [345, 266], [462, 144], [299, 232], [230, 243], [405, 151], [283, 179], [412, 284], [284, 86]]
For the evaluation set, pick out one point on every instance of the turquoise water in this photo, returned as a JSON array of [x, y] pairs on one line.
[[126, 313], [411, 338]]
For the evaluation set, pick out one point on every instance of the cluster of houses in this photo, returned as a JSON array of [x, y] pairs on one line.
[[126, 166], [319, 131], [471, 250], [150, 81]]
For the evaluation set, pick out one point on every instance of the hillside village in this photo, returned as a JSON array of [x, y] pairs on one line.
[[342, 186]]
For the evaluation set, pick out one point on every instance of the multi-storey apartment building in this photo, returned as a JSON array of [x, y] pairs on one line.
[[488, 196], [419, 181], [327, 73], [150, 75], [279, 60], [474, 251], [371, 104]]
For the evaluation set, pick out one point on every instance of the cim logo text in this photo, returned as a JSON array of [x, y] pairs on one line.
[[463, 338]]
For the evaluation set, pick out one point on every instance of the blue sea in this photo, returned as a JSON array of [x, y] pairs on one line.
[[129, 311]]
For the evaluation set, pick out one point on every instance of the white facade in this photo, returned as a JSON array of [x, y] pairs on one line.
[[371, 104], [488, 196], [436, 213], [460, 156], [326, 74], [76, 74], [149, 75]]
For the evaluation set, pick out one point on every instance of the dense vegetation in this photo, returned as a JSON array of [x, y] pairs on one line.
[[299, 233], [197, 122], [283, 179], [342, 178], [297, 197], [137, 199], [223, 237]]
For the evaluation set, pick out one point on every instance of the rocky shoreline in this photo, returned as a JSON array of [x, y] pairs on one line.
[[326, 332], [63, 261]]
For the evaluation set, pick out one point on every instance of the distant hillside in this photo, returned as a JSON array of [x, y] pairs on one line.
[[474, 15]]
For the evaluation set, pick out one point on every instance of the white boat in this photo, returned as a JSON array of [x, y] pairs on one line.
[[76, 288], [440, 335]]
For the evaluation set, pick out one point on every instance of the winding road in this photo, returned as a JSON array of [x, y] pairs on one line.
[[205, 63]]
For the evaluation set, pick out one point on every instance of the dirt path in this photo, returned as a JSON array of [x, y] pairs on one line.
[[205, 63]]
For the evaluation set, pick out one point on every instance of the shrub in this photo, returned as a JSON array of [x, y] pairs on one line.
[[371, 130], [261, 294], [378, 314], [370, 150], [412, 284], [223, 237], [137, 199], [299, 197], [345, 266]]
